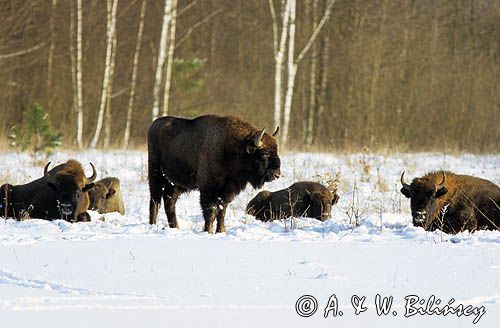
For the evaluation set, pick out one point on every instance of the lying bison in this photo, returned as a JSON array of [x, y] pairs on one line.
[[306, 199], [452, 202], [60, 194], [106, 196], [218, 155]]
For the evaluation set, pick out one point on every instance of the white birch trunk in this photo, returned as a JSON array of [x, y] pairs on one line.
[[312, 100], [293, 64], [50, 60], [131, 99], [111, 19], [292, 70], [79, 91], [170, 59], [107, 119], [279, 58], [162, 50], [72, 52]]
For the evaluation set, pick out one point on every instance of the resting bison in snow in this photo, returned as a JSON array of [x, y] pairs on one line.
[[106, 196], [60, 194], [452, 202], [218, 155], [307, 199]]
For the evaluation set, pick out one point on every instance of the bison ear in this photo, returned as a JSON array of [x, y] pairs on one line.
[[316, 197], [406, 192], [52, 185], [110, 193], [335, 199], [250, 149], [441, 191], [88, 186]]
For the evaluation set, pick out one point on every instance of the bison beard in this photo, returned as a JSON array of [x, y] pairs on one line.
[[217, 155]]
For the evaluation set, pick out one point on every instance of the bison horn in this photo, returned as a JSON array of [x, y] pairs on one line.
[[258, 138], [46, 170], [46, 173], [441, 185], [275, 133], [94, 173], [405, 185]]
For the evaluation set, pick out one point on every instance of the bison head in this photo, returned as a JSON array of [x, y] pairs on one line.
[[260, 206], [99, 196], [70, 189], [264, 160], [423, 194], [320, 206]]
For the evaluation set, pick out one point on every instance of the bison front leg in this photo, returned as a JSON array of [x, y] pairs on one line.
[[221, 213], [209, 206]]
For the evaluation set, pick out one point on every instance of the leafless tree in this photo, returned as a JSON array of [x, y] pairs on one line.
[[135, 65]]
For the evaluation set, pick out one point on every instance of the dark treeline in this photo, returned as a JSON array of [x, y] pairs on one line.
[[406, 74]]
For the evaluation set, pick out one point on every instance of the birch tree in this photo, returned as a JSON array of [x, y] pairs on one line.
[[107, 119], [72, 52], [50, 59], [294, 62], [279, 56], [162, 49], [131, 100], [312, 99], [110, 31], [78, 71], [170, 59]]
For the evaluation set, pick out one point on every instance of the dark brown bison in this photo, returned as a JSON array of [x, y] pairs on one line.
[[60, 194], [452, 202], [302, 199], [218, 155], [106, 196]]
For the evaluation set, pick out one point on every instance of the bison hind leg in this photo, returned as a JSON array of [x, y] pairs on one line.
[[156, 184]]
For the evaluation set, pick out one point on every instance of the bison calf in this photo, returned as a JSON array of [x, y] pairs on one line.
[[106, 196], [453, 202], [307, 199]]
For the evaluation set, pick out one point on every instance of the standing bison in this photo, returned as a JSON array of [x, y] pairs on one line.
[[452, 202], [60, 194], [307, 199], [106, 196], [217, 155]]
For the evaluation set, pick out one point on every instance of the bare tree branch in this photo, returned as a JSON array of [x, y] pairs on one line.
[[22, 52], [316, 31], [196, 25]]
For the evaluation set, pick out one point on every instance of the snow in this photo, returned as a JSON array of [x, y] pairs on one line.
[[120, 269]]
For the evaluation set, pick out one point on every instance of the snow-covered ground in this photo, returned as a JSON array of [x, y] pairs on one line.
[[120, 270]]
